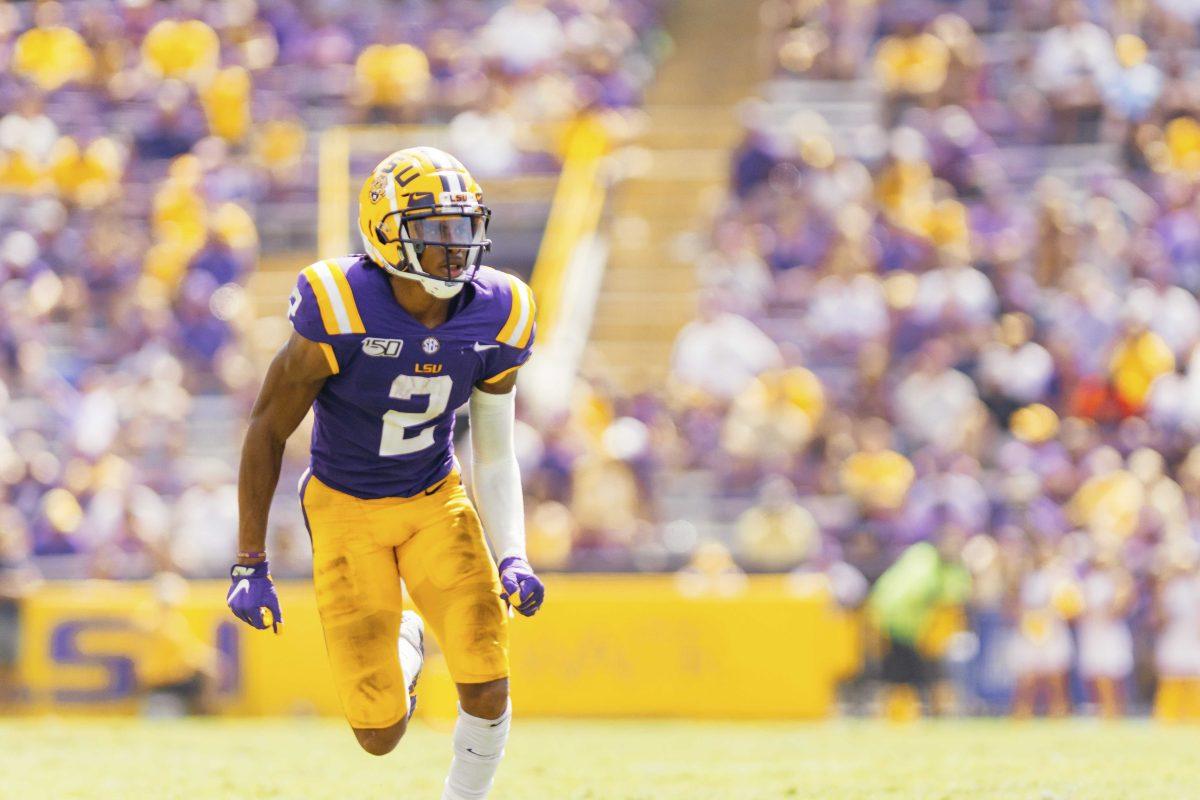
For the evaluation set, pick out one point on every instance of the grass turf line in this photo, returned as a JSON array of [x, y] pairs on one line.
[[608, 760]]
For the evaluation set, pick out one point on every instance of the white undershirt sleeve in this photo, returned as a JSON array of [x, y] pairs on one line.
[[496, 475]]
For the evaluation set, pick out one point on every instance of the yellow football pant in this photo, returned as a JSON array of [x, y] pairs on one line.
[[361, 550]]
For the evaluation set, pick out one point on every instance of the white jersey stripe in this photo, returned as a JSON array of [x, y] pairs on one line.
[[335, 296], [519, 296]]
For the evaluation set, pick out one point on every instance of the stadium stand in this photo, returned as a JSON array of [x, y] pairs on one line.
[[952, 291], [937, 283], [151, 158]]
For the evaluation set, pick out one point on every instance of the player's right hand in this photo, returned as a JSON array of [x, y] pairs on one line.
[[252, 597]]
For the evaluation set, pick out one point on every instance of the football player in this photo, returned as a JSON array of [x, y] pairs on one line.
[[385, 347]]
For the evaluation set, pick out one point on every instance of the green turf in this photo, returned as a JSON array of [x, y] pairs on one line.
[[571, 760]]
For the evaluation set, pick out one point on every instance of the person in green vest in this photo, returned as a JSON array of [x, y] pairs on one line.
[[917, 605]]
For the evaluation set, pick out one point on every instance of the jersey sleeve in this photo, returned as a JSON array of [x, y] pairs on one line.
[[516, 336], [322, 309]]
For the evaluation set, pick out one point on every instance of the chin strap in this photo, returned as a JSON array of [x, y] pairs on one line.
[[443, 290]]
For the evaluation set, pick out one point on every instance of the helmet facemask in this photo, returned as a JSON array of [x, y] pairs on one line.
[[456, 234]]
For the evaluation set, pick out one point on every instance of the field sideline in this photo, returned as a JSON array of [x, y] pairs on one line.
[[600, 760]]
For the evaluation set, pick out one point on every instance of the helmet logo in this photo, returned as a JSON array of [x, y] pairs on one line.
[[378, 185], [430, 345], [456, 199], [407, 175]]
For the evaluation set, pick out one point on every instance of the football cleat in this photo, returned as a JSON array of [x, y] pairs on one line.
[[416, 199], [412, 630]]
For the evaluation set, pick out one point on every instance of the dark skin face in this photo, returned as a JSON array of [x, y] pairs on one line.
[[435, 262], [441, 262]]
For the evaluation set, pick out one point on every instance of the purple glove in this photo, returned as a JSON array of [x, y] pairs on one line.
[[522, 589], [252, 597]]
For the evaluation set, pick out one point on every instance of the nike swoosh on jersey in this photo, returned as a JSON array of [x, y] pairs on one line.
[[242, 586], [479, 348]]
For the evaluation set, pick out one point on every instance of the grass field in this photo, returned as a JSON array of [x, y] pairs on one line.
[[571, 760]]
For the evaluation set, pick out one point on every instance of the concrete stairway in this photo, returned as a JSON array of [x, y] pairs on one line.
[[650, 282], [679, 172], [846, 106]]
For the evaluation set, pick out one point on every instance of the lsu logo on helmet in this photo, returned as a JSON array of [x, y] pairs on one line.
[[376, 189]]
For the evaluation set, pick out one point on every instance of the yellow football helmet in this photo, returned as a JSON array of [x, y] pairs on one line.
[[419, 198]]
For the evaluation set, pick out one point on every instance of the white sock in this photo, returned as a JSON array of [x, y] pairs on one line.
[[478, 748], [410, 660]]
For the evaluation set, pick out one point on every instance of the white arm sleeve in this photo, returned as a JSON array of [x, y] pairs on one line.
[[496, 475]]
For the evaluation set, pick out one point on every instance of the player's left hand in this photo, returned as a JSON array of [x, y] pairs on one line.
[[522, 589]]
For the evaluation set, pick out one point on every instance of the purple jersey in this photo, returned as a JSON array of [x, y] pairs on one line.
[[385, 419]]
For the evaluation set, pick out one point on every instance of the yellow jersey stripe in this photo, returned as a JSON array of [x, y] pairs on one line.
[[514, 313], [323, 303], [523, 324], [501, 375], [347, 294], [523, 341], [337, 306], [330, 357]]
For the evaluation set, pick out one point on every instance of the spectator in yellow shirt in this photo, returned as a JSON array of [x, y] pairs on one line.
[[226, 101], [51, 56], [911, 66], [876, 477], [1139, 358], [391, 77], [777, 534], [1109, 502], [775, 415], [188, 50]]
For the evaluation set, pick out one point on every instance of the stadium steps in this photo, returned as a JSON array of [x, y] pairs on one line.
[[715, 61], [795, 91], [849, 107], [649, 291], [680, 174], [1073, 163], [699, 136], [632, 362]]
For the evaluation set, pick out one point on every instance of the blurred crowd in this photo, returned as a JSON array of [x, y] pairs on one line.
[[143, 148], [994, 291], [1029, 71], [973, 321]]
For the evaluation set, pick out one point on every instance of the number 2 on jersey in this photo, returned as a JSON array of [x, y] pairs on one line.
[[397, 423]]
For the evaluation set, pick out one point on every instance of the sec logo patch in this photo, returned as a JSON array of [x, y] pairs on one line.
[[430, 345]]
